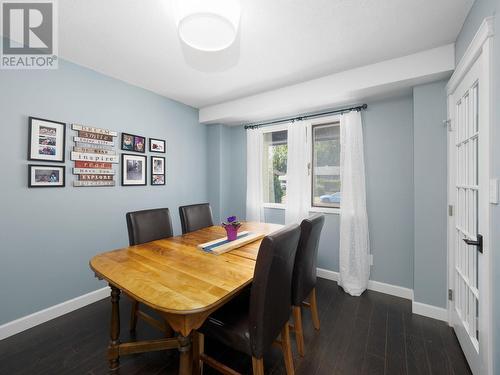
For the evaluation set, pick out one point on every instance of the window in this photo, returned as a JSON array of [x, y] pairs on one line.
[[323, 141], [325, 187], [274, 166]]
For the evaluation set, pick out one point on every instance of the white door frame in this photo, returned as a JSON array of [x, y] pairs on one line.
[[480, 48]]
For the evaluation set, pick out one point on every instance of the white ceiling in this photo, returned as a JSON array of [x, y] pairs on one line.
[[281, 42]]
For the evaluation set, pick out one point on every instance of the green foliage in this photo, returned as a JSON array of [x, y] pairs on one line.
[[278, 190], [280, 157]]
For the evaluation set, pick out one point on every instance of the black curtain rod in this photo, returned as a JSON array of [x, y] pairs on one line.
[[305, 117]]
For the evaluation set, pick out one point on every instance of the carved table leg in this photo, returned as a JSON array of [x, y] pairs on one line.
[[114, 343], [186, 361]]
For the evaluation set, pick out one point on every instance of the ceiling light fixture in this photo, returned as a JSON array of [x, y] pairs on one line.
[[208, 25]]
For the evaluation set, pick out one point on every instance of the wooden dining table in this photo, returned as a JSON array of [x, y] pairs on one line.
[[182, 283]]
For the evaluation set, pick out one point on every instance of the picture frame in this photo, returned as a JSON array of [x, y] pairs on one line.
[[158, 169], [134, 168], [133, 143], [46, 176], [46, 140], [157, 145]]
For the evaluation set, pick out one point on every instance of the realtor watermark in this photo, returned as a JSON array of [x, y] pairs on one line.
[[29, 30]]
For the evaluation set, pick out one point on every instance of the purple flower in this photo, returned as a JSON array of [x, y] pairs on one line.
[[231, 219]]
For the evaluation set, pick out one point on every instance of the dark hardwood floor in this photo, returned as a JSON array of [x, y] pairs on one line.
[[371, 334]]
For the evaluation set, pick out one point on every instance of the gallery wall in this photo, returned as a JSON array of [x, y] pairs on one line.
[[48, 235]]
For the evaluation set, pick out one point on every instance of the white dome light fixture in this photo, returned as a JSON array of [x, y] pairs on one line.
[[208, 25]]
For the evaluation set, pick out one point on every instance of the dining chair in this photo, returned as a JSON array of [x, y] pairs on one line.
[[146, 226], [252, 321], [304, 276], [195, 216]]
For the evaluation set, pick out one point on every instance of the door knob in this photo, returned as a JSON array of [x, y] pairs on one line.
[[478, 243]]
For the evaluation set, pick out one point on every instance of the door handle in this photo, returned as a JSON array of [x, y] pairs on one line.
[[478, 243]]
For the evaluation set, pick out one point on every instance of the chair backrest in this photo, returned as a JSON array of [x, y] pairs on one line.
[[304, 272], [195, 216], [270, 298], [148, 225]]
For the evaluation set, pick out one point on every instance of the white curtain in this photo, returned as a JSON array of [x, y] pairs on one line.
[[254, 176], [354, 237], [297, 176]]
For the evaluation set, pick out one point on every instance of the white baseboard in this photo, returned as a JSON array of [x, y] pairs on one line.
[[327, 274], [376, 286], [430, 311], [42, 316], [393, 290]]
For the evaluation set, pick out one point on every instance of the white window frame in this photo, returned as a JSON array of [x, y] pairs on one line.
[[272, 129], [309, 140], [319, 121]]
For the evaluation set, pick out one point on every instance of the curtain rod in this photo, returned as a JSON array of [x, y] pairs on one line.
[[305, 117]]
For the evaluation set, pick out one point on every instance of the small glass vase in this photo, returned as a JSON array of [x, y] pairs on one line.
[[232, 232]]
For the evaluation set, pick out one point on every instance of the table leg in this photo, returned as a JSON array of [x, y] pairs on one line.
[[186, 359], [114, 343]]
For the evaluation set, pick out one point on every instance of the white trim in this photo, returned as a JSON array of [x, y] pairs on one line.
[[274, 128], [275, 206], [471, 54], [327, 274], [376, 286], [325, 210], [419, 308], [42, 316], [478, 52], [430, 311], [393, 290], [29, 321], [325, 120]]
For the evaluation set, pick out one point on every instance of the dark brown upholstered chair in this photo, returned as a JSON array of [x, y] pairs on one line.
[[146, 226], [304, 275], [195, 216], [252, 321]]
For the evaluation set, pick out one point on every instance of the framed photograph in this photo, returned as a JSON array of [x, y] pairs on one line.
[[158, 179], [135, 143], [46, 176], [46, 140], [157, 145], [134, 169], [157, 165], [157, 170]]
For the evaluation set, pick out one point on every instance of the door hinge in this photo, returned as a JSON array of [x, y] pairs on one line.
[[447, 123], [450, 295], [450, 210]]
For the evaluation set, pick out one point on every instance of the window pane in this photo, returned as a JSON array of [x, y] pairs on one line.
[[274, 166], [326, 165]]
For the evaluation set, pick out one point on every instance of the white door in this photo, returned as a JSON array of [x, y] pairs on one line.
[[468, 144]]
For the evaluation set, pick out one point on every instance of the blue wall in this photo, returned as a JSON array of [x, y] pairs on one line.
[[430, 180], [480, 10], [47, 236], [214, 165], [226, 164], [388, 128], [389, 164]]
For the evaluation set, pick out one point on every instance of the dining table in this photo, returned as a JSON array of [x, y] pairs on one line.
[[180, 282]]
